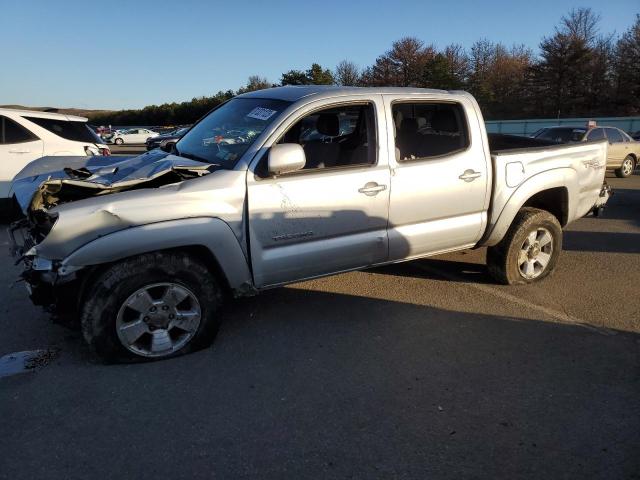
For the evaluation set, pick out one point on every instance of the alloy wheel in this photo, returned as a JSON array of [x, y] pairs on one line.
[[158, 319], [535, 253]]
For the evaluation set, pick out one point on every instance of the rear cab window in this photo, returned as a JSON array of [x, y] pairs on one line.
[[429, 129], [69, 130], [596, 134], [12, 132], [563, 135]]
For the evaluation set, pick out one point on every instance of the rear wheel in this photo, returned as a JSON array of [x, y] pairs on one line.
[[627, 167], [530, 249], [153, 306]]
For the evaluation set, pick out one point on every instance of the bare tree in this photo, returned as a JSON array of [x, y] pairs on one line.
[[408, 56], [581, 24], [347, 73], [627, 70], [458, 62]]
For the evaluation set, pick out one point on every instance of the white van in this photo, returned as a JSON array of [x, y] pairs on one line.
[[26, 135]]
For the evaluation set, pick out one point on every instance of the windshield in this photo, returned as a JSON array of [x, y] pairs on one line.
[[562, 135], [226, 133]]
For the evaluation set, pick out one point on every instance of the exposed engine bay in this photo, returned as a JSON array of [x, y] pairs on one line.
[[38, 191]]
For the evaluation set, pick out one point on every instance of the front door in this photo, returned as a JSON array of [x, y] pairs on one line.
[[332, 215], [439, 177]]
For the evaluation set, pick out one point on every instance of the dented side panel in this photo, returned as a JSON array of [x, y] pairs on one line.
[[218, 195]]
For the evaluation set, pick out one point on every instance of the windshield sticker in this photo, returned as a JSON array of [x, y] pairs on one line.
[[261, 113]]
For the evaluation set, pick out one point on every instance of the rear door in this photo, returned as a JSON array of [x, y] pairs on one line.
[[18, 147], [332, 215], [133, 136], [439, 176], [617, 150]]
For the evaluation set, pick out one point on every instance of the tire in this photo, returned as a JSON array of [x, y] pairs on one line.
[[118, 141], [627, 168], [113, 308], [504, 259]]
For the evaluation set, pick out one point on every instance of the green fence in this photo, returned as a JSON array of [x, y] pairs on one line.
[[527, 127]]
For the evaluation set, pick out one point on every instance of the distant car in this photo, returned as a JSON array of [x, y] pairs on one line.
[[165, 140], [623, 153], [132, 136], [26, 135]]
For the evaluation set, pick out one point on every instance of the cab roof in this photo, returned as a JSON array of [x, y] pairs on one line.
[[293, 93], [38, 114]]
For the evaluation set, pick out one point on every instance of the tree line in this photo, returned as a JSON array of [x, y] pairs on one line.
[[579, 71]]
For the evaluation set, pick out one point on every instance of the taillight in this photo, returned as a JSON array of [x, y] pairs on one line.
[[105, 152]]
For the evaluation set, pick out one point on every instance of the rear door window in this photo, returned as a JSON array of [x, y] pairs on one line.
[[12, 132], [426, 130], [75, 131], [597, 134], [614, 135]]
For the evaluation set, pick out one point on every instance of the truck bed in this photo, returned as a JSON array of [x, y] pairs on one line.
[[522, 165]]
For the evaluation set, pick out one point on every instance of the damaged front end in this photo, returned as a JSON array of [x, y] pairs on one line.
[[42, 277], [79, 183], [41, 242]]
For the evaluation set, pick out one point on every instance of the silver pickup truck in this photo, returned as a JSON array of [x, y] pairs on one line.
[[287, 184]]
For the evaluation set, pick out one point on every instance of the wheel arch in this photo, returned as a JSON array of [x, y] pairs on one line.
[[550, 191], [209, 239]]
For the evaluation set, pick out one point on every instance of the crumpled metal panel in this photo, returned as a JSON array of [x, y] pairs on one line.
[[88, 176]]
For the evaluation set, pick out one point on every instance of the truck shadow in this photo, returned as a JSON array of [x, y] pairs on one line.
[[358, 381]]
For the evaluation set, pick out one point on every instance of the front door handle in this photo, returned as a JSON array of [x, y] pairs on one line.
[[469, 175], [19, 151], [372, 188]]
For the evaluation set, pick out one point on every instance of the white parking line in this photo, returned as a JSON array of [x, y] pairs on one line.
[[557, 315]]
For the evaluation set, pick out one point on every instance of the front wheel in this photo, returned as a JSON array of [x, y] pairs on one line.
[[530, 249], [152, 306], [627, 167], [118, 141]]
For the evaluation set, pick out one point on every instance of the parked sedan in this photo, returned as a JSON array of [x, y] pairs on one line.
[[166, 140], [132, 136], [623, 153]]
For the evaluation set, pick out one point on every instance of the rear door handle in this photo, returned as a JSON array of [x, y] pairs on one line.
[[19, 151], [469, 175], [372, 188]]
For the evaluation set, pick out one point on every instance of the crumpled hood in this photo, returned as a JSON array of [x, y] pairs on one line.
[[53, 180]]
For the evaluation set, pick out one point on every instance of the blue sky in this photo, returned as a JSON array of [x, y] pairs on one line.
[[128, 54]]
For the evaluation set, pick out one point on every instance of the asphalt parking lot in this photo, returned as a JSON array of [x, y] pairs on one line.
[[420, 370]]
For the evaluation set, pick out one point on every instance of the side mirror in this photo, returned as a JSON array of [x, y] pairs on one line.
[[285, 158], [169, 147]]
